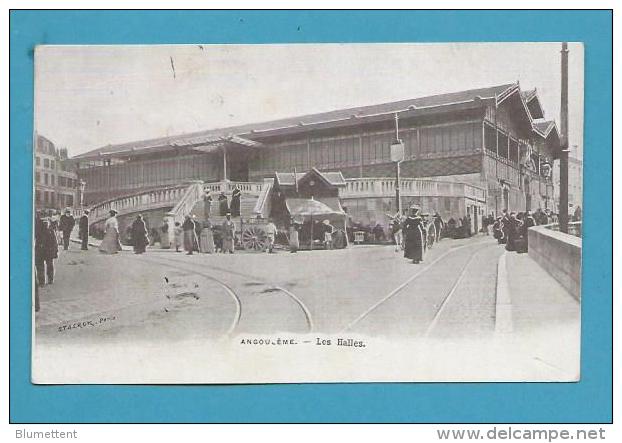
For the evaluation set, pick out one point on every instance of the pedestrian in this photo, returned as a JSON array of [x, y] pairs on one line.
[[223, 204], [513, 232], [178, 234], [206, 240], [189, 235], [46, 251], [396, 231], [497, 230], [235, 201], [576, 217], [328, 234], [506, 225], [294, 242], [83, 230], [65, 225], [228, 235], [165, 239], [439, 226], [111, 243], [54, 226], [414, 236], [139, 235], [198, 227], [271, 231], [207, 203]]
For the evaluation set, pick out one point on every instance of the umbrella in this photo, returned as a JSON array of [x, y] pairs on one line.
[[309, 208]]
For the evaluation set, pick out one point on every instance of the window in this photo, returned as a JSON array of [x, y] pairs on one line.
[[52, 164], [45, 179], [37, 197], [38, 161], [52, 179], [46, 163], [37, 177], [46, 197]]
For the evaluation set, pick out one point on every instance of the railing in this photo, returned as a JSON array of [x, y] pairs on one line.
[[141, 201], [228, 186], [409, 187], [194, 193]]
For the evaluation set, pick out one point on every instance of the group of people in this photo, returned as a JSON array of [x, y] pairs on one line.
[[193, 236], [224, 206], [52, 231], [410, 233], [511, 228]]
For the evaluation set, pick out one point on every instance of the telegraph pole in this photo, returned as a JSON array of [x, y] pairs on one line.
[[563, 158], [397, 155]]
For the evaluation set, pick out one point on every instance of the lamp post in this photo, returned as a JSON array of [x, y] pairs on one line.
[[397, 155], [81, 188]]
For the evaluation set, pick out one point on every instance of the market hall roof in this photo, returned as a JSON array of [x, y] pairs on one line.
[[249, 134], [332, 178]]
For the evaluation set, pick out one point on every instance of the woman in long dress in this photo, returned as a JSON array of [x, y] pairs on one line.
[[139, 235], [165, 239], [235, 202], [206, 241], [111, 243], [190, 236], [414, 237]]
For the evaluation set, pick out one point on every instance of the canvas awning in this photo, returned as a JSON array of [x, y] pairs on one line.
[[304, 207]]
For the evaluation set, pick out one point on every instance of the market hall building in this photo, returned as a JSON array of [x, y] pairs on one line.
[[465, 153]]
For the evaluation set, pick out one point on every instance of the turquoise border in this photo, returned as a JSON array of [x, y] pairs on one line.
[[588, 401]]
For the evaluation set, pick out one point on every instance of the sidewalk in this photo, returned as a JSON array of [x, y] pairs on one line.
[[542, 321]]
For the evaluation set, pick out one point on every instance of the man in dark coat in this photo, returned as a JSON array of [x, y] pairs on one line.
[[414, 236], [46, 251], [190, 236], [223, 204], [235, 202], [506, 225], [513, 228], [65, 225], [439, 224], [140, 239], [83, 230]]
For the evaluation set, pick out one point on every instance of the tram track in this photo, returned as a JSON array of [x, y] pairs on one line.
[[421, 272], [192, 267]]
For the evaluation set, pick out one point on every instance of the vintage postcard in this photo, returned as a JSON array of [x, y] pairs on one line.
[[307, 213]]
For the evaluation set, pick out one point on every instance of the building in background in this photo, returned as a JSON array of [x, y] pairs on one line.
[[575, 180], [466, 153], [56, 184]]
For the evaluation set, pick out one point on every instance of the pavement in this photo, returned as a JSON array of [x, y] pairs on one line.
[[466, 293]]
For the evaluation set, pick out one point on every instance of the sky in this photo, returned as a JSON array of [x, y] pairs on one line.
[[91, 96]]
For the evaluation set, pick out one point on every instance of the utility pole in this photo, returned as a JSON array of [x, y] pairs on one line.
[[563, 157], [397, 155]]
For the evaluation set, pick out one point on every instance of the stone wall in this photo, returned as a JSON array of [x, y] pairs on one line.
[[559, 254]]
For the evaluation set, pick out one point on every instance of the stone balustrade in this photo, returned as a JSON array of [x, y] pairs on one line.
[[409, 187]]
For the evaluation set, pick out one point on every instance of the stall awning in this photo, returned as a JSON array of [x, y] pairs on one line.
[[309, 207]]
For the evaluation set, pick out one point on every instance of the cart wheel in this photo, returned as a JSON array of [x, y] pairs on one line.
[[431, 235], [339, 239], [254, 237]]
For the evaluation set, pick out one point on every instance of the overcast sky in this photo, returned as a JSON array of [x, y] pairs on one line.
[[90, 96]]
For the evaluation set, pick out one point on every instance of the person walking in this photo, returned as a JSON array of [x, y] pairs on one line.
[[83, 230], [189, 235], [414, 236], [223, 204], [46, 251], [207, 203], [228, 235], [206, 240], [165, 238], [139, 235], [328, 234], [65, 225], [271, 231], [396, 231], [294, 242], [528, 222], [235, 201], [111, 243], [439, 224], [178, 234]]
